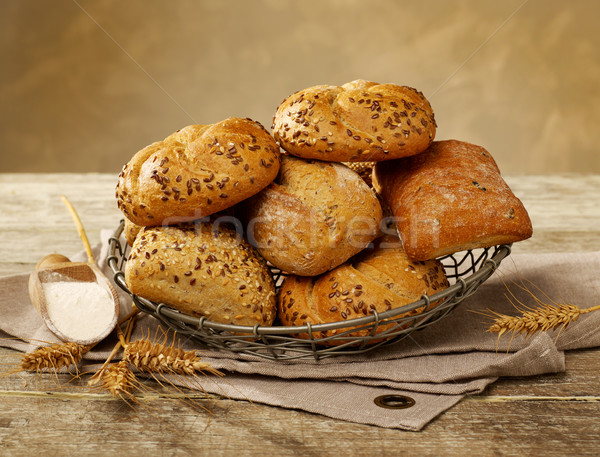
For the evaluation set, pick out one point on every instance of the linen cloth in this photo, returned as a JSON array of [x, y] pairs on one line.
[[436, 367]]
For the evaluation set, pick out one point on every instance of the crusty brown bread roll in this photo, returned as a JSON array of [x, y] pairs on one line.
[[202, 270], [357, 122], [313, 217], [197, 171], [451, 198], [379, 279]]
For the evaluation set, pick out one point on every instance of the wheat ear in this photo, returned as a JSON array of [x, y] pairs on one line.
[[130, 319], [165, 359], [118, 379], [54, 357], [542, 319]]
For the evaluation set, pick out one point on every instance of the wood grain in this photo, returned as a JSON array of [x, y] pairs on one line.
[[551, 415]]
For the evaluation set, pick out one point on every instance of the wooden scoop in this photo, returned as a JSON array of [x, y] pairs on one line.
[[58, 268]]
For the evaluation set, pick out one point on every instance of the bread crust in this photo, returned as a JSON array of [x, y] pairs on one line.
[[377, 280], [203, 271], [130, 231], [197, 171], [314, 217], [357, 122], [451, 198]]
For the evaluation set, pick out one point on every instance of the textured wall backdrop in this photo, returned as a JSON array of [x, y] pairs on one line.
[[84, 84]]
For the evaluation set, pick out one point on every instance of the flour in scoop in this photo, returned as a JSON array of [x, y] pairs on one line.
[[79, 310]]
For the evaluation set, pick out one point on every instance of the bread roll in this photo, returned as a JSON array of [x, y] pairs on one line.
[[197, 171], [364, 170], [313, 217], [380, 279], [130, 231], [451, 198], [202, 270], [357, 122]]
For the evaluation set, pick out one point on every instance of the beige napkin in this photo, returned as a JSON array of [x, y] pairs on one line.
[[436, 367]]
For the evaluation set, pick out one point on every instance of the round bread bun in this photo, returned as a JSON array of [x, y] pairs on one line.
[[203, 270], [130, 231], [376, 280], [197, 171], [364, 170], [314, 216], [360, 121]]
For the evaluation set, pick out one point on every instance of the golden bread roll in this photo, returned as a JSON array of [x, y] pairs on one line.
[[451, 198], [376, 280], [203, 270], [358, 122], [314, 217], [130, 231], [197, 171], [364, 170]]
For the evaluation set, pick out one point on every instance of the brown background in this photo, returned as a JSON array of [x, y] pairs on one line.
[[85, 84]]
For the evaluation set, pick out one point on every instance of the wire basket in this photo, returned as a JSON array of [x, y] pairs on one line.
[[465, 271]]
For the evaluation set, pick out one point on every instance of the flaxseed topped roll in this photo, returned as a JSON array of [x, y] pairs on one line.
[[197, 171], [377, 280], [360, 121], [203, 270]]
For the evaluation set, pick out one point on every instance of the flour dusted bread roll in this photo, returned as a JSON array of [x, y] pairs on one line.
[[451, 198], [357, 122], [313, 217], [197, 171], [376, 280], [203, 270]]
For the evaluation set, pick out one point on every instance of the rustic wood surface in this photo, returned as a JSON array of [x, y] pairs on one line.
[[550, 415]]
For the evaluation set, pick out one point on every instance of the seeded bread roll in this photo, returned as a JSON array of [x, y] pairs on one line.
[[379, 279], [451, 198], [358, 122], [130, 230], [364, 170], [197, 171], [313, 217], [202, 270]]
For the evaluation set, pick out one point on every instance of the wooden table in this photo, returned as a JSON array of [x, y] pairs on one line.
[[551, 415]]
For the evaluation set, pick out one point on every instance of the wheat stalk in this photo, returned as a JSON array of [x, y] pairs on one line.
[[542, 319], [80, 229], [53, 357], [161, 358]]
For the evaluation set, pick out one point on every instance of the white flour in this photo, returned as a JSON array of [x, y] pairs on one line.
[[79, 310]]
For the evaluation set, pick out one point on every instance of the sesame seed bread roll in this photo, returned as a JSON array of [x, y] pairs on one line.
[[379, 279], [203, 270], [314, 216], [197, 171], [451, 198], [358, 122]]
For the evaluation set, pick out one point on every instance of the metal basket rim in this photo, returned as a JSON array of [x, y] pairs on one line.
[[456, 289]]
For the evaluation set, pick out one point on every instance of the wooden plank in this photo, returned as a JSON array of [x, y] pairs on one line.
[[28, 426]]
